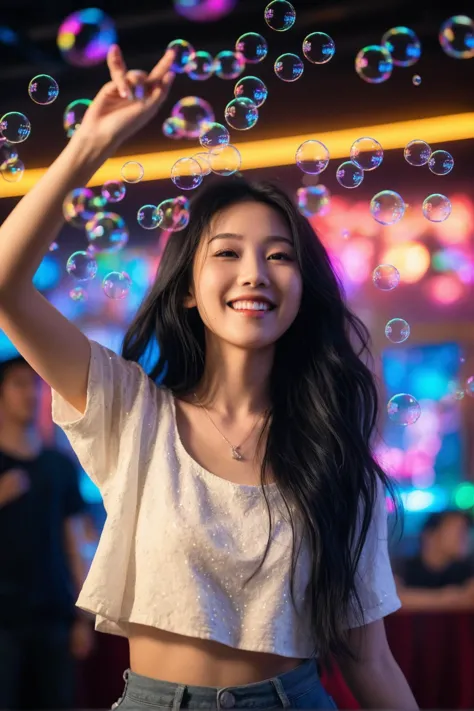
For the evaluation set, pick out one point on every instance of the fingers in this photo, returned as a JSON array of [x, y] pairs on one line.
[[160, 69], [161, 88], [118, 69]]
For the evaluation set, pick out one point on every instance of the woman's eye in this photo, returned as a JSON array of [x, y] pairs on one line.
[[225, 253], [281, 255]]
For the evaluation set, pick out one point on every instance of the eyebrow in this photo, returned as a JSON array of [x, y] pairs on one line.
[[267, 240]]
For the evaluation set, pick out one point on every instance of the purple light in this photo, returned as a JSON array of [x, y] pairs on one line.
[[204, 10]]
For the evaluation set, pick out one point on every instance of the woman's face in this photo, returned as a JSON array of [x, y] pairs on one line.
[[247, 284]]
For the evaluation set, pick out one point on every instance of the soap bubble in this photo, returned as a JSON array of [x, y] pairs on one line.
[[436, 208], [280, 15], [78, 293], [82, 266], [182, 53], [374, 64], [175, 212], [441, 162], [8, 153], [204, 10], [417, 153], [314, 200], [403, 409], [252, 46], [53, 246], [225, 160], [289, 67], [312, 157], [367, 153], [241, 114], [416, 80], [386, 277], [229, 65], [107, 232], [13, 171], [186, 174], [132, 171], [200, 66], [214, 134], [349, 175], [113, 190], [73, 115], [203, 160], [116, 285], [470, 386], [387, 207], [80, 206], [318, 48], [15, 127], [194, 111], [173, 128], [85, 37], [149, 217], [397, 330], [43, 89], [403, 45], [251, 88], [456, 37]]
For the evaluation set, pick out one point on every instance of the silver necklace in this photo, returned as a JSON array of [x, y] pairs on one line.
[[235, 451]]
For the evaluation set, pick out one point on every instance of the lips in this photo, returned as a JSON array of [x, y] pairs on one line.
[[251, 305]]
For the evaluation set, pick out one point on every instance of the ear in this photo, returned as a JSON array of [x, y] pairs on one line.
[[190, 300]]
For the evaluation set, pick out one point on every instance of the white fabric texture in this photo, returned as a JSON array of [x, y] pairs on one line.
[[179, 541]]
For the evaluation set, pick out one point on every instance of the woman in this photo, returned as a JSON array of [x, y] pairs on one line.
[[246, 529]]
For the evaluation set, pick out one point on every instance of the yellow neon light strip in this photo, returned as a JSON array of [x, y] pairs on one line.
[[278, 151]]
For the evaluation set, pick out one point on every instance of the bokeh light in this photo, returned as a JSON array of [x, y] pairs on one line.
[[204, 10], [85, 37]]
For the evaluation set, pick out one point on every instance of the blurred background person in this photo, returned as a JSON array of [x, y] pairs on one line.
[[42, 515]]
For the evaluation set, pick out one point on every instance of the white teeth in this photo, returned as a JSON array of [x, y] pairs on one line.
[[250, 306]]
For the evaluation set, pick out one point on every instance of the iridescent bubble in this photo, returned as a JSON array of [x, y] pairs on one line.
[[175, 213], [116, 285], [403, 409], [251, 88], [441, 162], [470, 386], [416, 80], [132, 171], [436, 208], [289, 67], [367, 153], [417, 153], [241, 114], [214, 134], [8, 153], [387, 207], [386, 277], [312, 157], [182, 54], [85, 37], [314, 200], [107, 232], [204, 10], [13, 171], [15, 127], [229, 65], [397, 330], [252, 46], [193, 111], [113, 190], [374, 64], [53, 246], [318, 48], [203, 160], [200, 66], [456, 37], [43, 89], [403, 45], [80, 206], [74, 115], [186, 174], [82, 266], [280, 15], [78, 293], [174, 128], [349, 175], [149, 217], [225, 160]]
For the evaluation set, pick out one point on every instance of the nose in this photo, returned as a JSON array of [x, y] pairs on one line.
[[253, 273]]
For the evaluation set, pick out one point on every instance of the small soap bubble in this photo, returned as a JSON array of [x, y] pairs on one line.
[[374, 64], [386, 277], [15, 127], [403, 45], [203, 160], [80, 206], [314, 200], [175, 212], [174, 128], [85, 37], [182, 54], [74, 115], [43, 89], [403, 409], [349, 175], [289, 67], [312, 157], [78, 293], [456, 37], [397, 330], [107, 232], [229, 65], [149, 217], [318, 48], [241, 114], [53, 246], [280, 15], [200, 66], [441, 162], [13, 171], [116, 285], [469, 387], [82, 266], [8, 153], [416, 80], [214, 134], [367, 153], [251, 88], [436, 208], [252, 46], [417, 153], [186, 174], [132, 172], [225, 160], [113, 190], [193, 111], [387, 207]]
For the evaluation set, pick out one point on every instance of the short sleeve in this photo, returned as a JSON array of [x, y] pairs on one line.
[[374, 578]]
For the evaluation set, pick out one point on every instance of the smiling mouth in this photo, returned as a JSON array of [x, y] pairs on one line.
[[251, 306]]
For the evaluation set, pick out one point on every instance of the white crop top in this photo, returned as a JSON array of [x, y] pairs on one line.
[[179, 541]]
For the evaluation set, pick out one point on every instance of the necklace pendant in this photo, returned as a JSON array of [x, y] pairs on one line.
[[236, 454]]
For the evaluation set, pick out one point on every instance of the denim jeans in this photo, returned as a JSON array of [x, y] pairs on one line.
[[299, 688]]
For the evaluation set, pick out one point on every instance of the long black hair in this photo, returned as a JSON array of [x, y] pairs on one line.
[[324, 401]]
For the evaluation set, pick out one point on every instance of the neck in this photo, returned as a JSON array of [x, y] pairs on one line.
[[18, 438], [433, 556]]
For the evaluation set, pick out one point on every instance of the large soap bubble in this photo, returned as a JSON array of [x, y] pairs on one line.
[[84, 38]]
